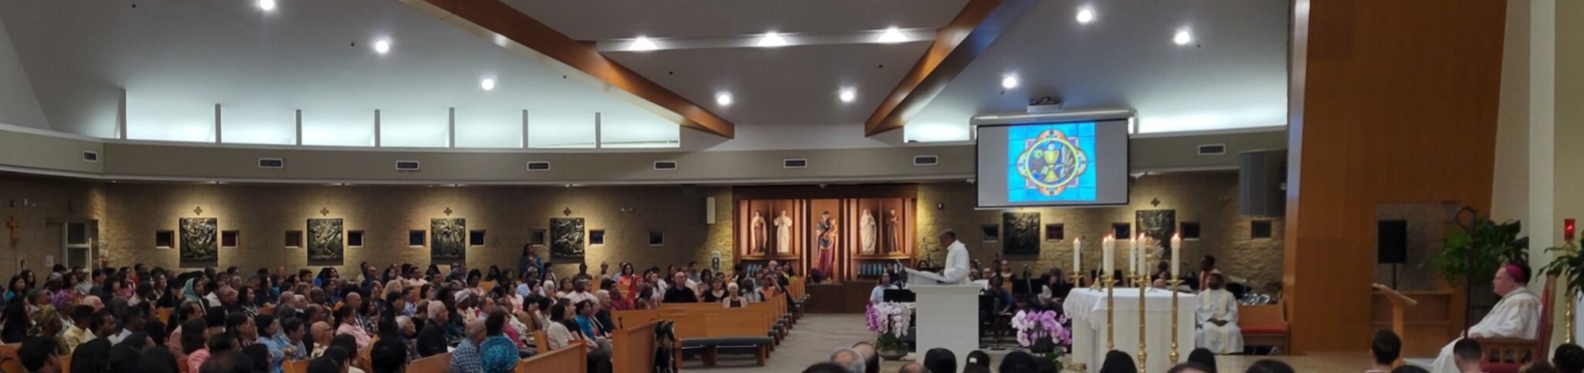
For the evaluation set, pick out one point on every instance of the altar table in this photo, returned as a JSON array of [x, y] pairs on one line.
[[1087, 310]]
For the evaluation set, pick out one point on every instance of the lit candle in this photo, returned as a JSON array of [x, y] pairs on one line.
[[1108, 264], [1133, 256], [1077, 267], [1176, 254]]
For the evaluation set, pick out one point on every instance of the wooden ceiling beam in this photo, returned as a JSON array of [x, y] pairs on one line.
[[503, 25], [957, 45]]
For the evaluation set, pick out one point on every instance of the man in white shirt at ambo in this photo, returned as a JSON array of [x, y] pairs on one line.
[[957, 264], [1517, 315]]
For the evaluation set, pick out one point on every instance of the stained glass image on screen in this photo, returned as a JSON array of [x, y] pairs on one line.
[[1051, 163]]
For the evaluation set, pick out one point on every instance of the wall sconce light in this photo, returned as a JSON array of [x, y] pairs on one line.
[[1568, 231]]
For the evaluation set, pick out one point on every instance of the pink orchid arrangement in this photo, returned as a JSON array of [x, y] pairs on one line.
[[1032, 326], [891, 320]]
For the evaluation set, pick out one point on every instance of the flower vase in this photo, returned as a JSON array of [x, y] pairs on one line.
[[892, 354]]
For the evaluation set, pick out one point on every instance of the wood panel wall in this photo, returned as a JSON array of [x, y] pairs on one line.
[[1396, 103]]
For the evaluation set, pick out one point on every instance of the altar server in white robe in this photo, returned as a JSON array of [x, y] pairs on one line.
[[1216, 326], [957, 264], [1517, 315]]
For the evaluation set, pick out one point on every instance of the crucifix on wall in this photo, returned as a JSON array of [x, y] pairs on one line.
[[13, 224]]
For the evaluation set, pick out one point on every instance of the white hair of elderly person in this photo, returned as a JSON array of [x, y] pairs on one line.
[[849, 359]]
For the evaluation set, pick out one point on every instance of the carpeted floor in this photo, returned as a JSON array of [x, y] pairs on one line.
[[817, 335]]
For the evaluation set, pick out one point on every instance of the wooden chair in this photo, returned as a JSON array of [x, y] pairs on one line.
[[1265, 325], [1507, 355]]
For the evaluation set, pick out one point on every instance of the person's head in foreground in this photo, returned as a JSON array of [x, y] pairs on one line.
[[1189, 367], [979, 358], [871, 359], [1409, 369], [817, 368], [1386, 347], [913, 368], [940, 360], [1204, 358], [1018, 362], [1271, 366], [38, 355], [1466, 354], [1538, 366], [1118, 362], [849, 359], [1569, 358]]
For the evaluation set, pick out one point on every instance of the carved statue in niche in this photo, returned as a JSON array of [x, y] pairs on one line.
[[866, 233], [783, 233], [893, 232], [758, 233], [826, 232]]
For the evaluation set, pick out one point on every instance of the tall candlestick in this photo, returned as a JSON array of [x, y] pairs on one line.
[[1077, 267], [1107, 247], [1176, 253]]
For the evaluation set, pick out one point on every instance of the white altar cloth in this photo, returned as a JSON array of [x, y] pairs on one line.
[[1087, 309]]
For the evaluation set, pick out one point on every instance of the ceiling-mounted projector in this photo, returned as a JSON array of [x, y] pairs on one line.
[[1045, 105]]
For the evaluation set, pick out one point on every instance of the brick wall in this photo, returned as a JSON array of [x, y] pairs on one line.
[[1209, 198]]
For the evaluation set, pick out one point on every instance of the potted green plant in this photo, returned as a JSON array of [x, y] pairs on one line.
[[1484, 244], [1472, 255], [1568, 266]]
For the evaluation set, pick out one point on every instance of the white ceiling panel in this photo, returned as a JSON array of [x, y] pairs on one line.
[[338, 126], [792, 85], [415, 127], [617, 19], [1233, 75], [490, 127], [309, 55], [628, 131], [561, 129], [252, 123], [152, 117]]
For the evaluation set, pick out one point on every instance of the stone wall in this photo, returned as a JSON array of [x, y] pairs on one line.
[[38, 205], [263, 213], [128, 214], [1209, 198]]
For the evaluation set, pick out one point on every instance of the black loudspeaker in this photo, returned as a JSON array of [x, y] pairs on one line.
[[1391, 241], [1261, 183]]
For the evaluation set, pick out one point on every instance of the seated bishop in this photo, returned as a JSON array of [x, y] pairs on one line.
[[1216, 321], [1517, 315]]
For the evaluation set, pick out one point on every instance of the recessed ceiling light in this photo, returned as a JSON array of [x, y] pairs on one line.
[[892, 35], [642, 44], [1009, 82], [1182, 38], [382, 46], [488, 84], [771, 40], [847, 95], [266, 5], [723, 98], [1085, 15]]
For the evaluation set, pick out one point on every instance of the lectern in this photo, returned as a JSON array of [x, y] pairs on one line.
[[948, 318], [1399, 304]]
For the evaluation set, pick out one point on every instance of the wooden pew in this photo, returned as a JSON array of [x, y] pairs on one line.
[[65, 361], [573, 359], [632, 349], [164, 315], [299, 366], [725, 328], [437, 363], [9, 361], [487, 285], [541, 343], [1265, 325]]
